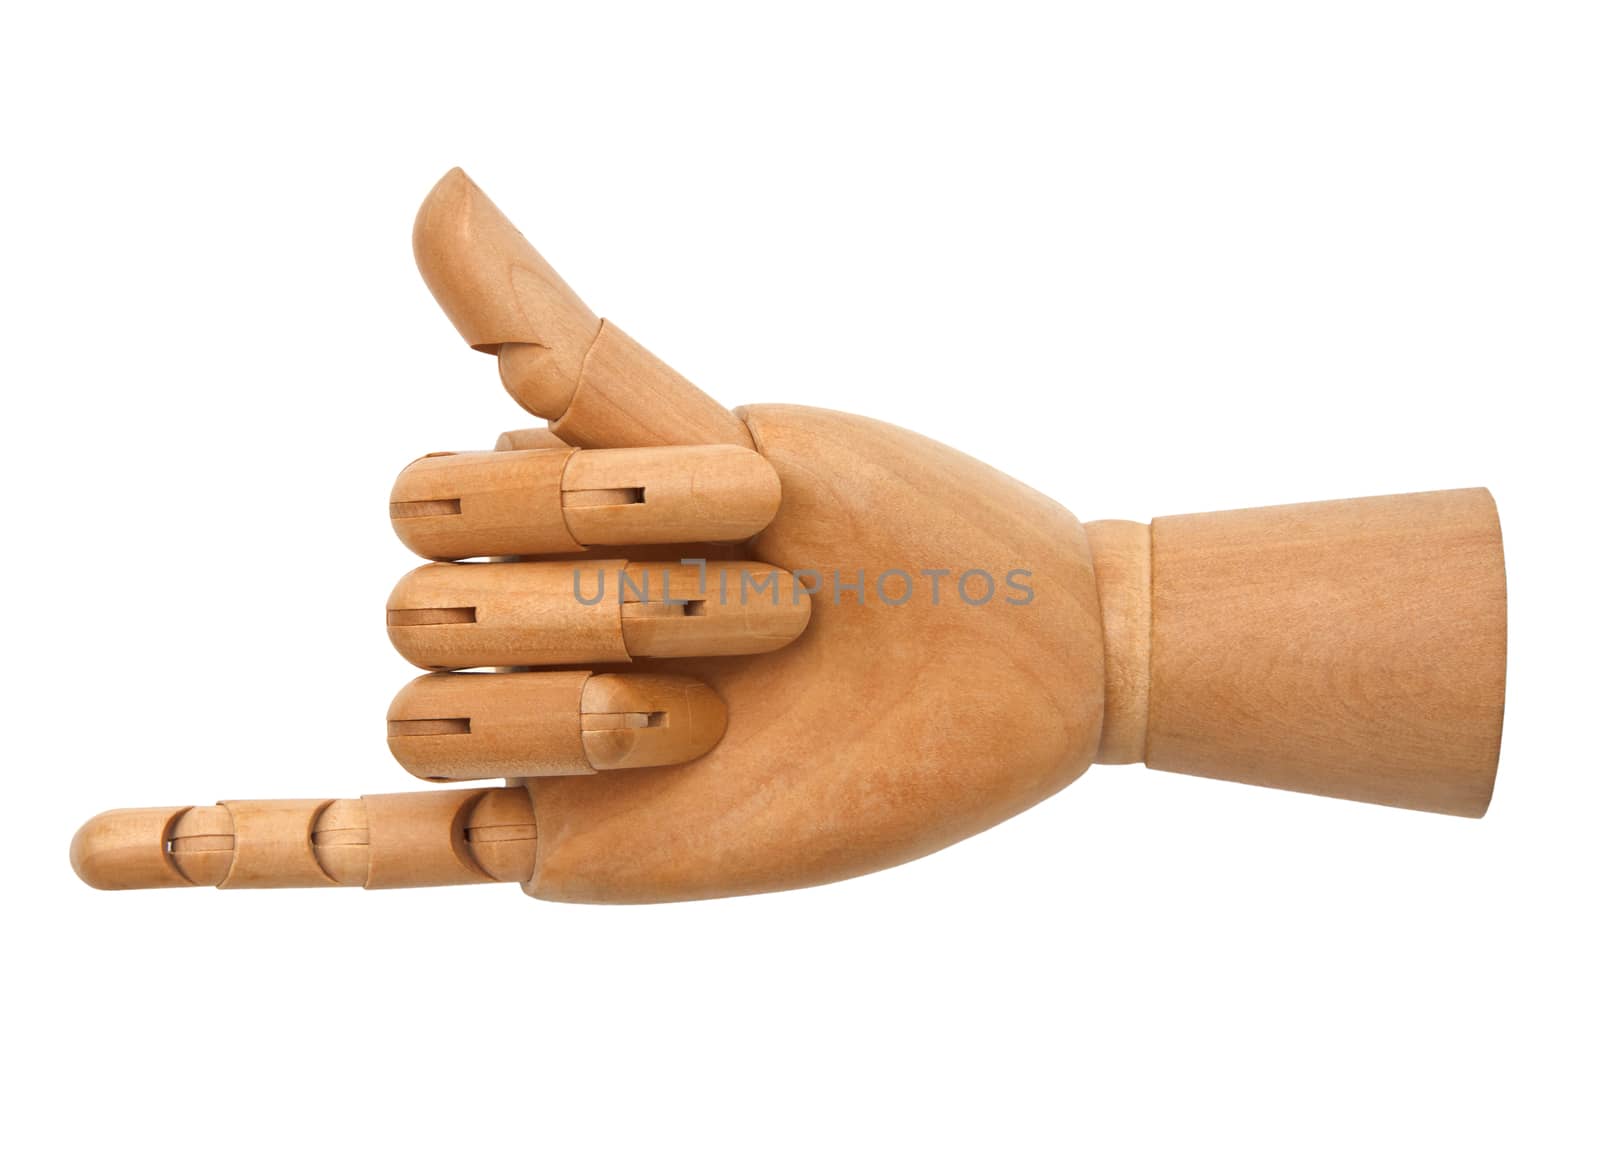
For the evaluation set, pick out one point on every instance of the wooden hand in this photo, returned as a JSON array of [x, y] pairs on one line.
[[757, 650]]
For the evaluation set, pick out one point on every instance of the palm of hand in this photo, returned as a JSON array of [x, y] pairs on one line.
[[893, 726]]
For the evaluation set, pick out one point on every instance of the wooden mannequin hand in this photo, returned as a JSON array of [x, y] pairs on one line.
[[780, 646]]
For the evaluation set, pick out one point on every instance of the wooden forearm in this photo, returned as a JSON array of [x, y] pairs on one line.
[[1352, 649]]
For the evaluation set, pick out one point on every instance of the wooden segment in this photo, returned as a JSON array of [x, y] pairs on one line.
[[627, 397], [342, 840], [521, 724], [543, 379], [525, 614], [272, 845], [697, 493], [679, 611], [473, 505], [126, 849], [1122, 577], [420, 839], [634, 721], [1352, 649], [201, 844], [501, 834], [501, 295]]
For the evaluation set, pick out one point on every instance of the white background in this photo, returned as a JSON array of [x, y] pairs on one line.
[[1148, 258]]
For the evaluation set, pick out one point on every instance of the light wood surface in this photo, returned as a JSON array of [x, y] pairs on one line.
[[536, 614], [1353, 648], [519, 724], [383, 841], [1122, 579], [931, 646], [561, 500], [596, 385]]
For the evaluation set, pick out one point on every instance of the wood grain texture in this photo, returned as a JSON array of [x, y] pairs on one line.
[[499, 503], [501, 295], [884, 732], [529, 614], [598, 387], [1352, 649], [626, 396], [555, 499], [382, 841], [514, 725], [690, 493]]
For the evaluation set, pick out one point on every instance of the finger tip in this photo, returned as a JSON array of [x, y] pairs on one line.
[[766, 491], [495, 287], [444, 204], [85, 851], [668, 720], [450, 192], [446, 242], [124, 849]]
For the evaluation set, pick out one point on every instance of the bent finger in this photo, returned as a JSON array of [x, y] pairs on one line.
[[455, 727], [449, 616], [598, 387], [563, 500]]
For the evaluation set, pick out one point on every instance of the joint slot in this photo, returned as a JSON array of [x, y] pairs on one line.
[[432, 616], [439, 507], [582, 499], [611, 721], [457, 726]]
